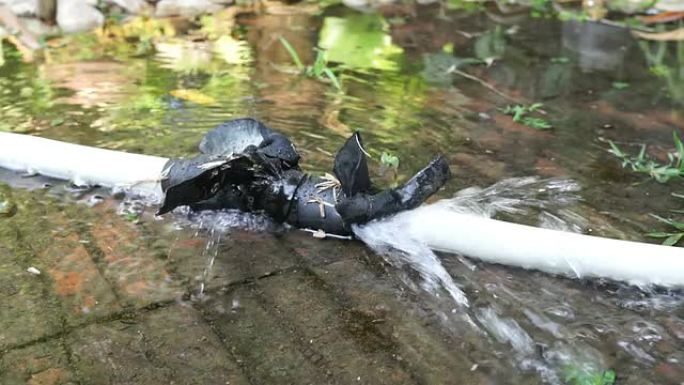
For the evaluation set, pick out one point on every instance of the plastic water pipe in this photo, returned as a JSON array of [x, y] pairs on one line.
[[82, 165], [434, 225], [551, 251]]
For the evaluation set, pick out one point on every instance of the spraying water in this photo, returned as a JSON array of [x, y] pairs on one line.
[[519, 196]]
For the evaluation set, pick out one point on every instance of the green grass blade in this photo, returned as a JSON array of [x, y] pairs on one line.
[[328, 72], [673, 239], [659, 235], [293, 54], [680, 150], [535, 106], [642, 154], [608, 377], [615, 150], [319, 64]]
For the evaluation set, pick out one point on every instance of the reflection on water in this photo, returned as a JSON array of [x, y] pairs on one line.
[[160, 94]]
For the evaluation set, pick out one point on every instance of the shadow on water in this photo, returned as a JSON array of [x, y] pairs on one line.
[[402, 92]]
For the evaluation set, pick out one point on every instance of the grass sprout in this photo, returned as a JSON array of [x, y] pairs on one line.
[[640, 163], [521, 114], [620, 85], [389, 160], [674, 236], [669, 238], [319, 69]]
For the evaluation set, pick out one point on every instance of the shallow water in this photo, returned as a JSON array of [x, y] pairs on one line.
[[279, 305]]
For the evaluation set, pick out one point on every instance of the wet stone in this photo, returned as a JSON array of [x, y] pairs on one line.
[[126, 259], [82, 291], [413, 332], [337, 340], [210, 262], [40, 364], [163, 346], [314, 252], [262, 344], [25, 313]]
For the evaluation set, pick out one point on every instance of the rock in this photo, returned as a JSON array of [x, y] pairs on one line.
[[185, 7], [38, 28], [130, 6], [22, 7], [77, 16], [15, 26]]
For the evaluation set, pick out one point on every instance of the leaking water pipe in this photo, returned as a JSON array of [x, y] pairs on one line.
[[434, 225]]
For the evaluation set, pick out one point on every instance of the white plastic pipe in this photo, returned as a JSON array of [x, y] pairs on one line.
[[82, 165], [435, 225], [551, 251]]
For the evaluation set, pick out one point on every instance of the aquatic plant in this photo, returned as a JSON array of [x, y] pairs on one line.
[[520, 114], [389, 160], [360, 41], [669, 238], [319, 69], [640, 163], [620, 85], [577, 376], [667, 65]]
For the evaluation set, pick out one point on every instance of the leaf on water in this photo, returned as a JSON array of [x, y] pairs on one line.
[[193, 96], [620, 85], [359, 41], [232, 51]]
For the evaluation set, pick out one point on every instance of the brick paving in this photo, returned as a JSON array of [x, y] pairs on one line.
[[134, 303]]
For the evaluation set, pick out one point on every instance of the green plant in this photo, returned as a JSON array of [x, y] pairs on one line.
[[389, 160], [520, 114], [131, 216], [560, 60], [576, 376], [620, 85], [540, 7], [319, 69], [669, 238], [662, 173]]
